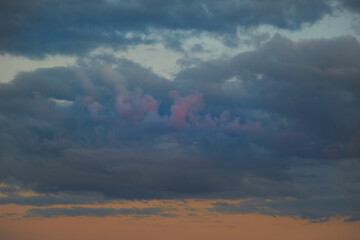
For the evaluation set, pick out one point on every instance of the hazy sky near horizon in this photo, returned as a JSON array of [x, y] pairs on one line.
[[154, 119]]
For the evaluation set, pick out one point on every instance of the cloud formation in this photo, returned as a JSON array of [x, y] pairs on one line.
[[41, 27], [352, 5], [316, 210], [277, 122], [96, 212]]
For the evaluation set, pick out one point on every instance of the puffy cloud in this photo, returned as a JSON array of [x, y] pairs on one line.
[[135, 105], [184, 109], [278, 122], [309, 86]]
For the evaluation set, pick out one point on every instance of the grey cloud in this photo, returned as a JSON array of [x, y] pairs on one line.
[[275, 122], [352, 219], [41, 27], [309, 86], [54, 199], [315, 210], [96, 212], [352, 5]]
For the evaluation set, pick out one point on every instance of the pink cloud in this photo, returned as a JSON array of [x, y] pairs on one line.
[[147, 104], [184, 109], [135, 105]]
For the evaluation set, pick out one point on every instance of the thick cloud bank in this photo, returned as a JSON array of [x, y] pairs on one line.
[[39, 27], [279, 122]]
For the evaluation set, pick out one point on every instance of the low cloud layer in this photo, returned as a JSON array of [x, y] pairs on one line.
[[316, 210], [96, 212]]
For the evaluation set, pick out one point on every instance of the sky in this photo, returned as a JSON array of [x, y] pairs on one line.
[[202, 119]]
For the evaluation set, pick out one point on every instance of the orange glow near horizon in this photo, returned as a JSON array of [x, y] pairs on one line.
[[201, 224]]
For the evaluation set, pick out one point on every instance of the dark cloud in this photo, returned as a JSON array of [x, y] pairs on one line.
[[277, 122], [353, 219], [352, 5], [54, 199], [96, 212], [316, 210], [310, 87], [69, 27]]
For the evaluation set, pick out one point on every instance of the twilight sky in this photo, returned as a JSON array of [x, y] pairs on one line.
[[158, 119]]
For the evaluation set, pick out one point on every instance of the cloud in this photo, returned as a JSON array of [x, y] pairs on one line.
[[96, 212], [351, 5], [315, 210], [40, 28], [276, 122], [136, 106], [353, 219], [309, 86], [61, 198], [183, 110]]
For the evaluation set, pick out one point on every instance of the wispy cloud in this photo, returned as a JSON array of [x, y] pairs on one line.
[[96, 212]]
